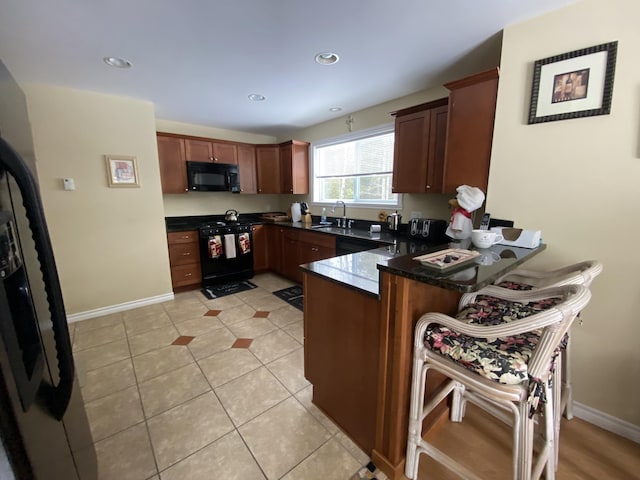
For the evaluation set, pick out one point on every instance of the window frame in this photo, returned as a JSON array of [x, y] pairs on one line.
[[349, 137]]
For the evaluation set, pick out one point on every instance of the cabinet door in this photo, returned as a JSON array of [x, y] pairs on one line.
[[437, 146], [247, 168], [472, 105], [260, 253], [173, 170], [225, 153], [268, 168], [291, 258], [274, 247], [411, 153], [294, 162], [286, 172], [198, 150]]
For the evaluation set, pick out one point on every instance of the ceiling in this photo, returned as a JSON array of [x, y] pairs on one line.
[[198, 60]]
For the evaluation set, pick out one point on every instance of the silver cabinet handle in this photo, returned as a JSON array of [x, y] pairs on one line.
[[186, 254]]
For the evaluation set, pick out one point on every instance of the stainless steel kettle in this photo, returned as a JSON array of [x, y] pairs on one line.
[[393, 221], [231, 215]]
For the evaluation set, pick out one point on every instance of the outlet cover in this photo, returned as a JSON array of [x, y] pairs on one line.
[[416, 214]]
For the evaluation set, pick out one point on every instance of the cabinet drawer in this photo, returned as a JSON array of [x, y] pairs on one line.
[[319, 239], [184, 254], [185, 275], [291, 234], [187, 236]]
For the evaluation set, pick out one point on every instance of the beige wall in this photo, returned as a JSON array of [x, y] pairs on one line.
[[211, 203], [110, 243], [577, 181], [433, 206]]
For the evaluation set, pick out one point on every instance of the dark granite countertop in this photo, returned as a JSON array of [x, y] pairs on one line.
[[362, 270]]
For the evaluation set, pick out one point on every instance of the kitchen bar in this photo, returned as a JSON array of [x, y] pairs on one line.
[[359, 315]]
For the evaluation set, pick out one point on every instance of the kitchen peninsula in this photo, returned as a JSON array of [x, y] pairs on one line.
[[360, 311]]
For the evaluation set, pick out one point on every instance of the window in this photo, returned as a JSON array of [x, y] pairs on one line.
[[355, 168]]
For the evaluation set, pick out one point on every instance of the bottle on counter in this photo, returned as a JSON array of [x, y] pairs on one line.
[[323, 218]]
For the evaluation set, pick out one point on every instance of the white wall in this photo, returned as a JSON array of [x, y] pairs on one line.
[[110, 243], [577, 181]]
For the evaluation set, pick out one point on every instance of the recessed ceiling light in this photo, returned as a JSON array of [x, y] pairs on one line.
[[335, 109], [256, 97], [117, 62], [327, 58]]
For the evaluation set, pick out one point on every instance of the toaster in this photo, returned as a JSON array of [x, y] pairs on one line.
[[427, 229]]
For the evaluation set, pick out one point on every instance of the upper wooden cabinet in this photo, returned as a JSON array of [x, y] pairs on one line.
[[274, 168], [268, 168], [420, 135], [294, 164], [208, 151], [247, 168], [472, 106], [173, 171]]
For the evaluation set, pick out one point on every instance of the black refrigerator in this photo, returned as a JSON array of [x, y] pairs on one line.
[[44, 430]]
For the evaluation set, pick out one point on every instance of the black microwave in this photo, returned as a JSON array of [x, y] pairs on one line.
[[213, 177]]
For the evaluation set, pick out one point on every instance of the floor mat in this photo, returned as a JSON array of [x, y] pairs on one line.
[[292, 295], [217, 291]]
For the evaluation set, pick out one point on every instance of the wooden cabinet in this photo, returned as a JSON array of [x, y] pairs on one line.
[[275, 236], [342, 354], [208, 151], [184, 258], [268, 168], [260, 248], [173, 170], [420, 135], [291, 258], [316, 246], [472, 105], [294, 164], [247, 168]]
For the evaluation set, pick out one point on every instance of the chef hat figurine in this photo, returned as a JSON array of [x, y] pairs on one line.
[[468, 200]]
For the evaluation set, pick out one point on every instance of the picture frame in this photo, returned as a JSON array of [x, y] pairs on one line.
[[122, 171], [574, 84]]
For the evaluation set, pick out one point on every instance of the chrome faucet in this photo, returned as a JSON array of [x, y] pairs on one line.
[[344, 213]]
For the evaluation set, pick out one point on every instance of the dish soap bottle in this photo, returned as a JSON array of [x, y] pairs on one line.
[[323, 218]]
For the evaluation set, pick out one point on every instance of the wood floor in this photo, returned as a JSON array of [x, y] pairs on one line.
[[484, 444]]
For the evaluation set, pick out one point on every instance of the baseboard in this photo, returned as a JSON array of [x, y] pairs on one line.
[[99, 312], [607, 422]]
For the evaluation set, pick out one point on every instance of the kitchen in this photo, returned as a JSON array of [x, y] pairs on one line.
[[128, 229]]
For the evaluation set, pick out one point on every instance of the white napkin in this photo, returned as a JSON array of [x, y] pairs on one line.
[[230, 245]]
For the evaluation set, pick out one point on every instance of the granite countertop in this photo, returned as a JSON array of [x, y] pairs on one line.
[[361, 271]]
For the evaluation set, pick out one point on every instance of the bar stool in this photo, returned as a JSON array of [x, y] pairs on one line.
[[503, 368], [581, 273]]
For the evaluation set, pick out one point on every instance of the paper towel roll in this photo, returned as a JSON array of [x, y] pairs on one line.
[[296, 213]]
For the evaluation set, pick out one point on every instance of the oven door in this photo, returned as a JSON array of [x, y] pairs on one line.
[[226, 255]]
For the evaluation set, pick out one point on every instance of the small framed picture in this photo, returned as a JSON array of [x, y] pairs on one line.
[[122, 171], [574, 84]]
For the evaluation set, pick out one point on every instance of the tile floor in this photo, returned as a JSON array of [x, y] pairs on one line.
[[207, 389]]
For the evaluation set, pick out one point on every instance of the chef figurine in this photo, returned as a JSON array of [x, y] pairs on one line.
[[468, 200]]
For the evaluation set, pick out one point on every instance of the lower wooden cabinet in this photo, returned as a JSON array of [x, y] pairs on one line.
[[184, 258], [260, 248]]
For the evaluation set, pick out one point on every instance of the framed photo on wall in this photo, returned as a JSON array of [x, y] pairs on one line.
[[122, 171], [573, 85]]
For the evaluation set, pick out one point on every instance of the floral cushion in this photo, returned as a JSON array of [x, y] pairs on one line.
[[501, 359], [515, 285]]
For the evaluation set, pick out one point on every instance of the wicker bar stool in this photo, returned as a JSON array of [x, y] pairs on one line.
[[503, 368]]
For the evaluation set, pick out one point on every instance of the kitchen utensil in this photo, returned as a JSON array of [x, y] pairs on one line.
[[393, 221], [231, 215]]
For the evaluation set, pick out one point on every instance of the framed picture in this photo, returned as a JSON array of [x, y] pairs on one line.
[[573, 85], [122, 171]]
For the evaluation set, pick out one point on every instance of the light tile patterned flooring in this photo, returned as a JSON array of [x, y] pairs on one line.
[[205, 410]]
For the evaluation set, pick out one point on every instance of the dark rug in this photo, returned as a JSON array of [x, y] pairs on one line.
[[292, 295], [217, 291]]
